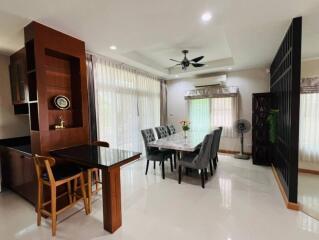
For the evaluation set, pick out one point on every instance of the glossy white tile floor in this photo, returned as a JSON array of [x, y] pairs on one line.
[[241, 202], [308, 193]]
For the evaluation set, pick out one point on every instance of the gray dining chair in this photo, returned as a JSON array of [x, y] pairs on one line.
[[154, 154], [162, 132], [171, 129], [198, 160]]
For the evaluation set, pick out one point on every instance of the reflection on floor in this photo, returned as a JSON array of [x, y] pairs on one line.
[[240, 202], [308, 193]]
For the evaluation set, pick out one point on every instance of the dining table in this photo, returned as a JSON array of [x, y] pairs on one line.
[[109, 161], [180, 141]]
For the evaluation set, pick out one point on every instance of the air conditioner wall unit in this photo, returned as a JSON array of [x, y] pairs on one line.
[[218, 80]]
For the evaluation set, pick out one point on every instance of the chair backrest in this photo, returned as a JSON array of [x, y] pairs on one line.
[[44, 164], [148, 136], [161, 131], [171, 129], [101, 144], [219, 136], [215, 144], [205, 152]]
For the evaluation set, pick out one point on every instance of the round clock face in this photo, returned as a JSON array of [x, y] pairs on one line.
[[62, 102]]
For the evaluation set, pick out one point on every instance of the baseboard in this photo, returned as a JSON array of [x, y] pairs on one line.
[[231, 152], [289, 205], [303, 170]]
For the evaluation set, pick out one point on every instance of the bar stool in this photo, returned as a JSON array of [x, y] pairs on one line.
[[93, 173], [54, 176]]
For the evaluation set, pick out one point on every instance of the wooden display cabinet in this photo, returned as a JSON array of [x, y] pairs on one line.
[[56, 65]]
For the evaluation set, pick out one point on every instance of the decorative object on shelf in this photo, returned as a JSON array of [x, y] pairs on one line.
[[185, 126], [242, 126], [62, 102], [272, 121], [61, 123]]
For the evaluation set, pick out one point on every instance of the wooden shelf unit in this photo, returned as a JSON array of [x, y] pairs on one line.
[[56, 65]]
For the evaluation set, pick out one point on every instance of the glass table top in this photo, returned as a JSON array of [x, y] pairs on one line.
[[95, 156]]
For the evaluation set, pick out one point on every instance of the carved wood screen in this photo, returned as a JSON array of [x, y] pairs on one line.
[[285, 90]]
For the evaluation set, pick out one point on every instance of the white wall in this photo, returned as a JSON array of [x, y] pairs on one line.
[[248, 82], [310, 68], [11, 125]]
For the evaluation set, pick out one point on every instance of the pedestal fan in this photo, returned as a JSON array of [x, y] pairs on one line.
[[242, 126]]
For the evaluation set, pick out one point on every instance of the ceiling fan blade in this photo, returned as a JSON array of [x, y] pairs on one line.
[[174, 60], [197, 59], [198, 64]]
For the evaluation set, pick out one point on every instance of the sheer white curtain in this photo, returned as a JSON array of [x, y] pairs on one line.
[[309, 128], [126, 102], [224, 112], [208, 113]]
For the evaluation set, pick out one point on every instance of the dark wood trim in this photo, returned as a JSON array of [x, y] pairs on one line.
[[232, 152], [289, 205], [310, 171]]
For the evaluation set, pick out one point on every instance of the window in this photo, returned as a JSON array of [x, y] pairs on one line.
[[208, 113], [126, 102]]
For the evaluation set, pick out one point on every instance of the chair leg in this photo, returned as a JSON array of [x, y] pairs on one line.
[[89, 197], [211, 167], [215, 163], [75, 188], [175, 162], [206, 175], [87, 211], [69, 192], [171, 162], [147, 163], [97, 179], [163, 170], [179, 174], [203, 178], [39, 204], [53, 209], [154, 165]]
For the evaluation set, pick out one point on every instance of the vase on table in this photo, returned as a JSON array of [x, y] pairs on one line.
[[185, 134]]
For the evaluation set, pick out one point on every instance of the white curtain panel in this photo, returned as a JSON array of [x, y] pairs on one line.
[[309, 128], [209, 113], [126, 102], [224, 112]]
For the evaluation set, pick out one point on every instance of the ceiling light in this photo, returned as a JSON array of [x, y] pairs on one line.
[[113, 47], [206, 17], [230, 68]]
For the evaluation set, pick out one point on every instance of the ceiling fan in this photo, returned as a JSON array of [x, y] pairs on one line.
[[185, 62]]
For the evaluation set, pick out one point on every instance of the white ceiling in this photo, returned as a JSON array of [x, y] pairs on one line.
[[242, 33]]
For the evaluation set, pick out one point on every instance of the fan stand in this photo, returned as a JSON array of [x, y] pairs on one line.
[[241, 155]]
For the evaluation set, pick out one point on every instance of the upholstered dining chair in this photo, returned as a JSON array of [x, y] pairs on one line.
[[54, 176], [162, 131], [198, 160], [154, 154], [171, 129]]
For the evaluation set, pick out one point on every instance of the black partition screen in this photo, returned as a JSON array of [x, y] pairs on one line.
[[285, 90]]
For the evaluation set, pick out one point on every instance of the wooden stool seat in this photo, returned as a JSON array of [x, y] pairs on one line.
[[62, 172]]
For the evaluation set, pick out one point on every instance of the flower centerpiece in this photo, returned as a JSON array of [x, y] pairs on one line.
[[185, 126]]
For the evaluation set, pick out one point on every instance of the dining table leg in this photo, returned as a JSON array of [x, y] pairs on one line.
[[111, 192]]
